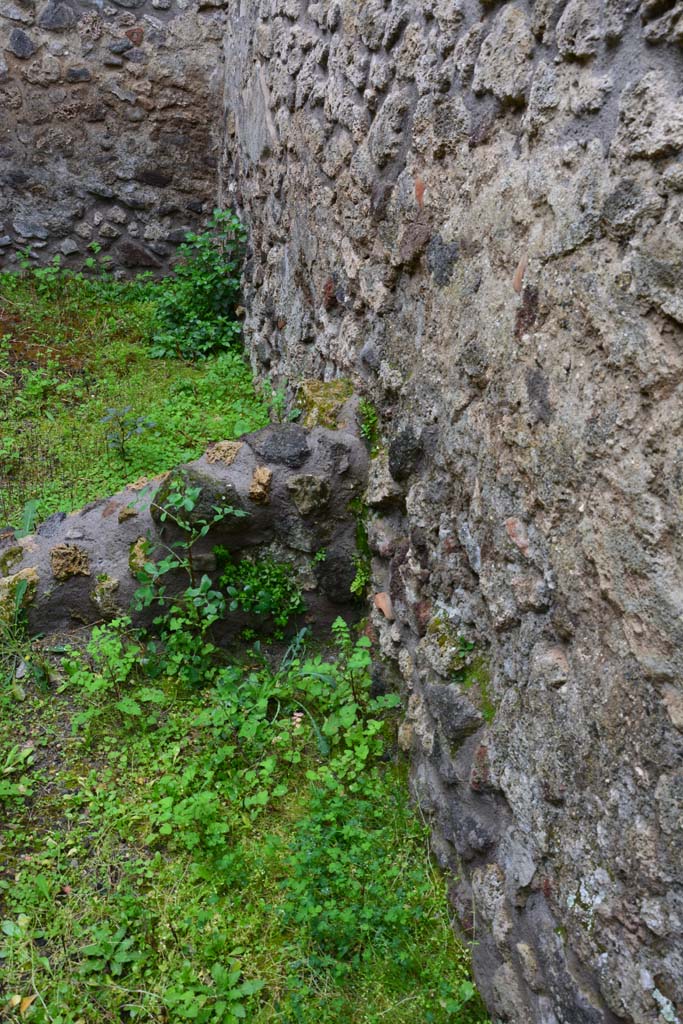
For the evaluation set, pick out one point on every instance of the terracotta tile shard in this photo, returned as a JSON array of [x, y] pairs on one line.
[[419, 192], [517, 532], [259, 488], [519, 274], [223, 451], [69, 560], [383, 603]]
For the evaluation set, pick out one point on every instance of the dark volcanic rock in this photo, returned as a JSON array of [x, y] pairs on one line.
[[404, 454], [286, 445], [84, 566], [20, 44], [57, 17], [132, 254]]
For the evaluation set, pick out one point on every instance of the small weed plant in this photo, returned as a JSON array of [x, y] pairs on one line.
[[195, 313], [19, 667], [369, 425], [124, 425], [276, 403], [362, 558], [178, 508], [262, 587], [186, 653]]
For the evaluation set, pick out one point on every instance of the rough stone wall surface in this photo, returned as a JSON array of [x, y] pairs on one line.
[[109, 130], [475, 210]]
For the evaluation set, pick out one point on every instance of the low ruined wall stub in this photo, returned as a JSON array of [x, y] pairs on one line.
[[296, 488], [474, 210], [109, 130]]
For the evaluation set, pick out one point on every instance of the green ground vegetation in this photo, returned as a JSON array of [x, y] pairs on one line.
[[369, 425], [103, 381], [262, 586], [236, 850]]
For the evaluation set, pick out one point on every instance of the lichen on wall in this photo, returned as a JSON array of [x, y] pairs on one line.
[[473, 210]]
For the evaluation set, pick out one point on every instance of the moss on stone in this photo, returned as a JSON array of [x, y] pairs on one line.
[[451, 643], [477, 677], [441, 631], [322, 401], [8, 592], [467, 668], [103, 596], [9, 558]]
